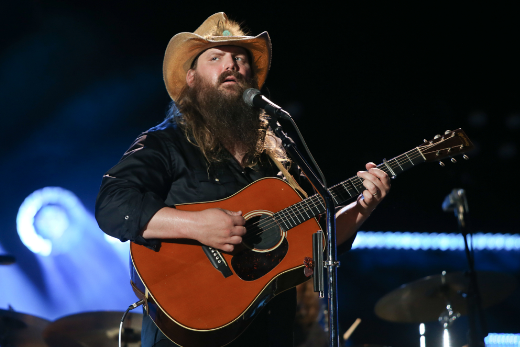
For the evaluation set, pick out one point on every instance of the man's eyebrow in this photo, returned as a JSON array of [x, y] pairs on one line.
[[218, 52]]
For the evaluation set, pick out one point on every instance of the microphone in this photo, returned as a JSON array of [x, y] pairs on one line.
[[456, 198], [254, 98]]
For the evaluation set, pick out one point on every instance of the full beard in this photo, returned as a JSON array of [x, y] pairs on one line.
[[231, 122]]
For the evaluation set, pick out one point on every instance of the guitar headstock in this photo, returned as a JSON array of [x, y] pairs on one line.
[[443, 146]]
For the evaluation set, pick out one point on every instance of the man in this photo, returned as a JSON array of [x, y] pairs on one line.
[[211, 146]]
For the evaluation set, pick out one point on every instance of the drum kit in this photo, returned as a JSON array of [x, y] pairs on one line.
[[427, 299], [444, 298], [90, 329], [437, 297]]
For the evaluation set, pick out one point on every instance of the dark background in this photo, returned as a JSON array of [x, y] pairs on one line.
[[79, 80]]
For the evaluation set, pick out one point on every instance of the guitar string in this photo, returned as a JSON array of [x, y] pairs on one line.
[[357, 185], [270, 222]]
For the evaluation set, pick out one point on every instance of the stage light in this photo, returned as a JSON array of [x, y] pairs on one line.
[[446, 339], [434, 241], [422, 332], [49, 221], [502, 340]]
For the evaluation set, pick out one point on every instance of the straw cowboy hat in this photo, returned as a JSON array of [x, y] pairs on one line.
[[217, 30]]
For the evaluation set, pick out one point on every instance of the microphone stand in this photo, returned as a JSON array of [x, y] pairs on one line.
[[331, 262], [475, 314]]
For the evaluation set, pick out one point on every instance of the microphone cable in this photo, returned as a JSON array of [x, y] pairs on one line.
[[310, 156]]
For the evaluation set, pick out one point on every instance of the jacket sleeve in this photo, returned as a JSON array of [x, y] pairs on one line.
[[134, 190]]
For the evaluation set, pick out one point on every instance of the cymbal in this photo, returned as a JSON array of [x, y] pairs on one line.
[[21, 330], [425, 299], [94, 329]]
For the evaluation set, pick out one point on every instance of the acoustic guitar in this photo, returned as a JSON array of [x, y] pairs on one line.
[[200, 296]]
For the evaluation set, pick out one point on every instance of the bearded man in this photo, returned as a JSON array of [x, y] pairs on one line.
[[211, 146]]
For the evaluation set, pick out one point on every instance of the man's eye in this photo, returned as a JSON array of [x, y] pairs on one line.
[[239, 59], [214, 59]]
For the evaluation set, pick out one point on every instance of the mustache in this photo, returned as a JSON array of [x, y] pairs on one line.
[[239, 78]]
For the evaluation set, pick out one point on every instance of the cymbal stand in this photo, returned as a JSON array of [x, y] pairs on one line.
[[457, 202], [448, 316]]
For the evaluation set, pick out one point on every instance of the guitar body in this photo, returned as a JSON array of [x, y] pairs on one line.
[[192, 302]]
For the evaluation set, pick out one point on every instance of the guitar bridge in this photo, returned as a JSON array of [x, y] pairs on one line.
[[217, 260]]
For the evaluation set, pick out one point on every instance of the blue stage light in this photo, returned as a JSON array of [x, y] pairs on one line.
[[434, 241], [502, 340], [50, 220]]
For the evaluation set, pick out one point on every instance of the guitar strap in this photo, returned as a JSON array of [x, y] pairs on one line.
[[141, 296], [289, 178]]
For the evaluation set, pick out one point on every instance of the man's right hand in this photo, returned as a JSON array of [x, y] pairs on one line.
[[218, 228], [214, 227]]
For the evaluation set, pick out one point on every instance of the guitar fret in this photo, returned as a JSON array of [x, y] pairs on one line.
[[290, 215], [398, 164], [333, 195], [316, 198], [300, 211], [306, 211], [409, 159], [303, 210], [286, 220], [279, 222], [383, 167], [348, 189], [417, 156], [354, 186], [338, 193], [322, 205]]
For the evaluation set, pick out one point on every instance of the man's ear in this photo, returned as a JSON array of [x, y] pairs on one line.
[[190, 77]]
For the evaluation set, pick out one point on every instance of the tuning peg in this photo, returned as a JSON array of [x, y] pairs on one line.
[[447, 132], [453, 160], [425, 141], [465, 157], [441, 163], [436, 137]]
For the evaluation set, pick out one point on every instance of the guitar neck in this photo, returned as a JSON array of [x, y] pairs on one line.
[[344, 191]]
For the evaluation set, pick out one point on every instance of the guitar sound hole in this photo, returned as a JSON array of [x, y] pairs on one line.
[[250, 265], [262, 233]]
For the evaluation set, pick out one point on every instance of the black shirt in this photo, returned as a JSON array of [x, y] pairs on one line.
[[163, 169]]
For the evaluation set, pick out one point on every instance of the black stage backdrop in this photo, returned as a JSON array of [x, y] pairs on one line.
[[79, 80]]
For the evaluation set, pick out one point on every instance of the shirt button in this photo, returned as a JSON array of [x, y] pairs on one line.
[[126, 217]]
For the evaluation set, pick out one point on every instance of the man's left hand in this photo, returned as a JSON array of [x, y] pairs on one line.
[[377, 184]]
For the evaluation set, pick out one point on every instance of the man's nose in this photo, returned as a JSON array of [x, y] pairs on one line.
[[230, 63]]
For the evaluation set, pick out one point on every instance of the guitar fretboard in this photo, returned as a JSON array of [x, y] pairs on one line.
[[344, 191]]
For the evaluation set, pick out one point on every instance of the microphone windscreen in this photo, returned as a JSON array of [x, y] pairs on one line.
[[249, 94]]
